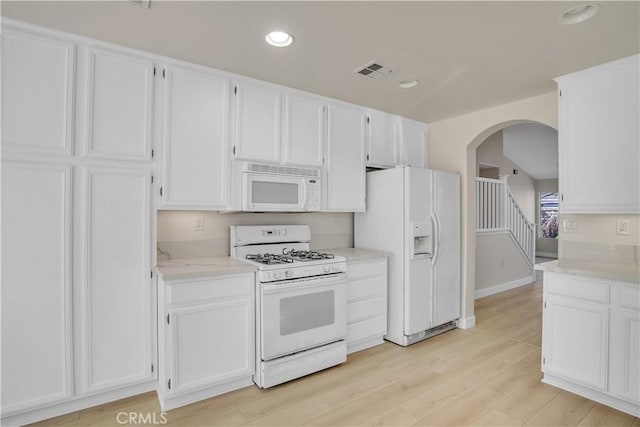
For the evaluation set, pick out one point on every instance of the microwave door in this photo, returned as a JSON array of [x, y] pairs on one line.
[[273, 193]]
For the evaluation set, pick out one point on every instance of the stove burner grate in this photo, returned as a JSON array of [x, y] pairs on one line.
[[306, 255], [270, 258]]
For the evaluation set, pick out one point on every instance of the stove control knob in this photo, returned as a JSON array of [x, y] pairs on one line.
[[288, 274], [277, 275], [326, 269], [336, 268]]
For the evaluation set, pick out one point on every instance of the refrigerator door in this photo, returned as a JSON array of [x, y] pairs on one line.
[[417, 286], [446, 257]]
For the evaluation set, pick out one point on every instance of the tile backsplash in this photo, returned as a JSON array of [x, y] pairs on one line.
[[193, 234]]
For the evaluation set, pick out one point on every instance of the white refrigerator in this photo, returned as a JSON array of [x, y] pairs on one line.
[[413, 215]]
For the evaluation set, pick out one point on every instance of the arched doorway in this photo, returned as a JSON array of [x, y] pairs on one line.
[[517, 205], [470, 195]]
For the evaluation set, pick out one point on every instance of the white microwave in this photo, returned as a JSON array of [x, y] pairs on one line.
[[280, 188]]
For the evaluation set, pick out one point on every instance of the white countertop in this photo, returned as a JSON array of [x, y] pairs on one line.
[[356, 254], [592, 269], [201, 267]]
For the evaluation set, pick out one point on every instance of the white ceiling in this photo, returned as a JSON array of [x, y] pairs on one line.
[[466, 55], [534, 148]]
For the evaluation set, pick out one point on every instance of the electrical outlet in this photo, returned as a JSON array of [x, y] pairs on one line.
[[198, 223], [622, 227], [570, 225]]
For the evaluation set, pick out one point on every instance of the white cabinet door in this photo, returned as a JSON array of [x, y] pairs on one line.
[[257, 122], [116, 290], [120, 106], [346, 170], [575, 341], [36, 285], [37, 93], [195, 140], [210, 344], [303, 139], [412, 143], [625, 354], [599, 134], [381, 141]]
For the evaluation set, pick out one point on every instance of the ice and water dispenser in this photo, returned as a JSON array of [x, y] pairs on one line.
[[421, 240]]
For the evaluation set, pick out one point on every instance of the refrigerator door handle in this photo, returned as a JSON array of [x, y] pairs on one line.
[[435, 241]]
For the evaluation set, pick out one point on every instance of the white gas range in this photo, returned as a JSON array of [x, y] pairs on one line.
[[300, 302]]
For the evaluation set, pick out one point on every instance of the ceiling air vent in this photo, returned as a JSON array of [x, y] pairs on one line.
[[374, 70]]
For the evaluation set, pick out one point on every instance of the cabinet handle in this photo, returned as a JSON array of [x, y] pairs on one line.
[[169, 383]]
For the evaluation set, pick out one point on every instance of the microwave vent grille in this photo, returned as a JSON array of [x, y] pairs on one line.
[[283, 170]]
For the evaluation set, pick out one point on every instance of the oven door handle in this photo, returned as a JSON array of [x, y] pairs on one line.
[[304, 284]]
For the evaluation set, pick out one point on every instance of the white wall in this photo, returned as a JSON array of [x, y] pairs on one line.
[[177, 237], [595, 240], [452, 146], [499, 263], [522, 186], [534, 147]]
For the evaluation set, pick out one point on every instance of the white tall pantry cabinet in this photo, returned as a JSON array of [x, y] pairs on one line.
[[77, 224]]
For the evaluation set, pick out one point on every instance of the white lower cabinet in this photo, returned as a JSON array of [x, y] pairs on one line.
[[625, 345], [591, 339], [206, 337], [366, 303]]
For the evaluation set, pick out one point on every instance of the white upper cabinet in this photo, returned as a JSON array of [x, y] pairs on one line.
[[36, 285], [381, 140], [116, 302], [196, 139], [345, 169], [598, 138], [412, 143], [278, 126], [37, 93], [119, 106], [257, 122], [303, 133]]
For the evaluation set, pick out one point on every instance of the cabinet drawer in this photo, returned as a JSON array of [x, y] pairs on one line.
[[366, 288], [359, 270], [366, 309], [374, 327], [201, 290], [584, 289]]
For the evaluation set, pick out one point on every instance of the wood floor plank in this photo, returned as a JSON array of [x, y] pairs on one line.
[[601, 415], [495, 418], [566, 409], [529, 400]]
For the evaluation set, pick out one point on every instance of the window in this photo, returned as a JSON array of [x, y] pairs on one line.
[[549, 215]]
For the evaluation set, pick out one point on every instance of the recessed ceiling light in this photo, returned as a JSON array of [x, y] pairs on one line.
[[406, 84], [279, 39], [578, 14]]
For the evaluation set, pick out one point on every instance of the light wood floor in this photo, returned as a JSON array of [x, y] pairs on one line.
[[486, 376]]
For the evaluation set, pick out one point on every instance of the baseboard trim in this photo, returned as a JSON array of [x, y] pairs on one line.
[[481, 293], [547, 254], [467, 322]]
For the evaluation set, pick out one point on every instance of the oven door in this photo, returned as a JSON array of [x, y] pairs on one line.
[[264, 192], [301, 314]]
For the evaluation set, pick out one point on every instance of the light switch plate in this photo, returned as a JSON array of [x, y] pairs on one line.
[[622, 227], [198, 223]]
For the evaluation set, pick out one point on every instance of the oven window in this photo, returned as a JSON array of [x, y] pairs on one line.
[[274, 192], [304, 312]]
